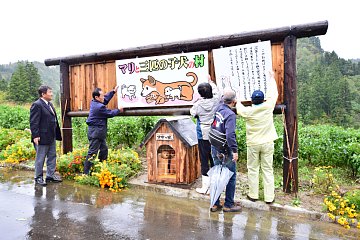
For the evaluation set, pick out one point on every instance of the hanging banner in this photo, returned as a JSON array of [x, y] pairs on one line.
[[244, 68], [168, 80]]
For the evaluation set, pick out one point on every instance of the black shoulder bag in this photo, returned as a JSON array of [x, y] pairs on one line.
[[218, 140]]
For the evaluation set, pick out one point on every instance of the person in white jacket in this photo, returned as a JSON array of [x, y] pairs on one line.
[[260, 136], [203, 110]]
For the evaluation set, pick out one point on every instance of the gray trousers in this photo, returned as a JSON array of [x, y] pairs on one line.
[[48, 152]]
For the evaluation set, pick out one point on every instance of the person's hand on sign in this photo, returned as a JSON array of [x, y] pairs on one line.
[[116, 88], [121, 108], [210, 80], [272, 74]]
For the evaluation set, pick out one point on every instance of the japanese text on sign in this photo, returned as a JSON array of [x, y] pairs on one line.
[[168, 80], [244, 68], [164, 136]]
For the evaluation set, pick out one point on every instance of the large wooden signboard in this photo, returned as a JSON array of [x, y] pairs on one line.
[[168, 80]]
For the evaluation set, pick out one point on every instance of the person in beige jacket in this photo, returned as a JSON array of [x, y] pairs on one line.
[[260, 136]]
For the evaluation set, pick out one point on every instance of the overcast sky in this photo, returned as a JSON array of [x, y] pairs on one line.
[[36, 30]]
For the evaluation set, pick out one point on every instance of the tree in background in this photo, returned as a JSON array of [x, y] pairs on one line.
[[3, 84], [24, 83]]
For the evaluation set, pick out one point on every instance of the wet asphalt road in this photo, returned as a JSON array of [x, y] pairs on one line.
[[70, 211]]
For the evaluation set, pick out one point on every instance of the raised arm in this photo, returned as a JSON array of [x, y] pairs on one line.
[[272, 93]]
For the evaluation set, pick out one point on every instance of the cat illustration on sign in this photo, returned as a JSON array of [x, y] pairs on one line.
[[154, 90], [128, 91]]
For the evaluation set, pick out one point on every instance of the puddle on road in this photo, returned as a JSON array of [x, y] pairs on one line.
[[72, 211]]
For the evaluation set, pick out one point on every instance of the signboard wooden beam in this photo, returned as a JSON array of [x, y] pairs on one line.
[[290, 147], [202, 44], [65, 107]]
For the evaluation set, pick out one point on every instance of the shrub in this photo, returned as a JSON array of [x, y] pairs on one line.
[[330, 145], [10, 136], [323, 180], [122, 131], [15, 117], [79, 132], [113, 173], [20, 151], [72, 163], [129, 131]]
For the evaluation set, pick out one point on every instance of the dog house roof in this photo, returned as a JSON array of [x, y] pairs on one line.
[[182, 126]]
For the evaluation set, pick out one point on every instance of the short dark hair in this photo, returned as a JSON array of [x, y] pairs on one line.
[[43, 90], [96, 92], [205, 90]]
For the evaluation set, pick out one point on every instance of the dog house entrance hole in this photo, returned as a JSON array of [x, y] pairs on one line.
[[166, 164]]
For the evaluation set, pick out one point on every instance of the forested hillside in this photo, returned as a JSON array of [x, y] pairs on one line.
[[48, 75], [328, 86]]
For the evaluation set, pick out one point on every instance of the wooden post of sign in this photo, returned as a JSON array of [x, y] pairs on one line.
[[66, 129], [290, 147]]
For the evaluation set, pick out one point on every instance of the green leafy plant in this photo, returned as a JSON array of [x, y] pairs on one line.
[[14, 117], [323, 180], [112, 173], [20, 151], [10, 136], [330, 145], [72, 163], [296, 202]]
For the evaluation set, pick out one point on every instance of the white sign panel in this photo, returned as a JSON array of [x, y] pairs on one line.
[[244, 68], [168, 80], [164, 136]]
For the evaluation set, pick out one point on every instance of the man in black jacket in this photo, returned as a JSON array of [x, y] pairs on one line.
[[45, 130], [97, 125]]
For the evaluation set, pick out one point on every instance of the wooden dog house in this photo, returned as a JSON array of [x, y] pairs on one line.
[[172, 151]]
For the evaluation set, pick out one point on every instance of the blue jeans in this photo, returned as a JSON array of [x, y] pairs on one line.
[[230, 187]]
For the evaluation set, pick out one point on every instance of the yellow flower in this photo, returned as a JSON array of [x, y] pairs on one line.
[[331, 216]]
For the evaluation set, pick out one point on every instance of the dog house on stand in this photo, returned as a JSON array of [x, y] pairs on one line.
[[172, 151]]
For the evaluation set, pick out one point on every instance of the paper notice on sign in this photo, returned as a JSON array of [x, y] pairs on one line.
[[244, 68]]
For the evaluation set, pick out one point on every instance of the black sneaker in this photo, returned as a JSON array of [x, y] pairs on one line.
[[234, 208], [54, 179], [40, 181], [270, 202], [215, 208]]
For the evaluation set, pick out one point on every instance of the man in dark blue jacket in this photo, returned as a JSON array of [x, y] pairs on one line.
[[97, 125], [225, 122]]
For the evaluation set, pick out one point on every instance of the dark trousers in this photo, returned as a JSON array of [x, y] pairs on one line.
[[206, 159], [97, 145], [230, 187], [47, 152]]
